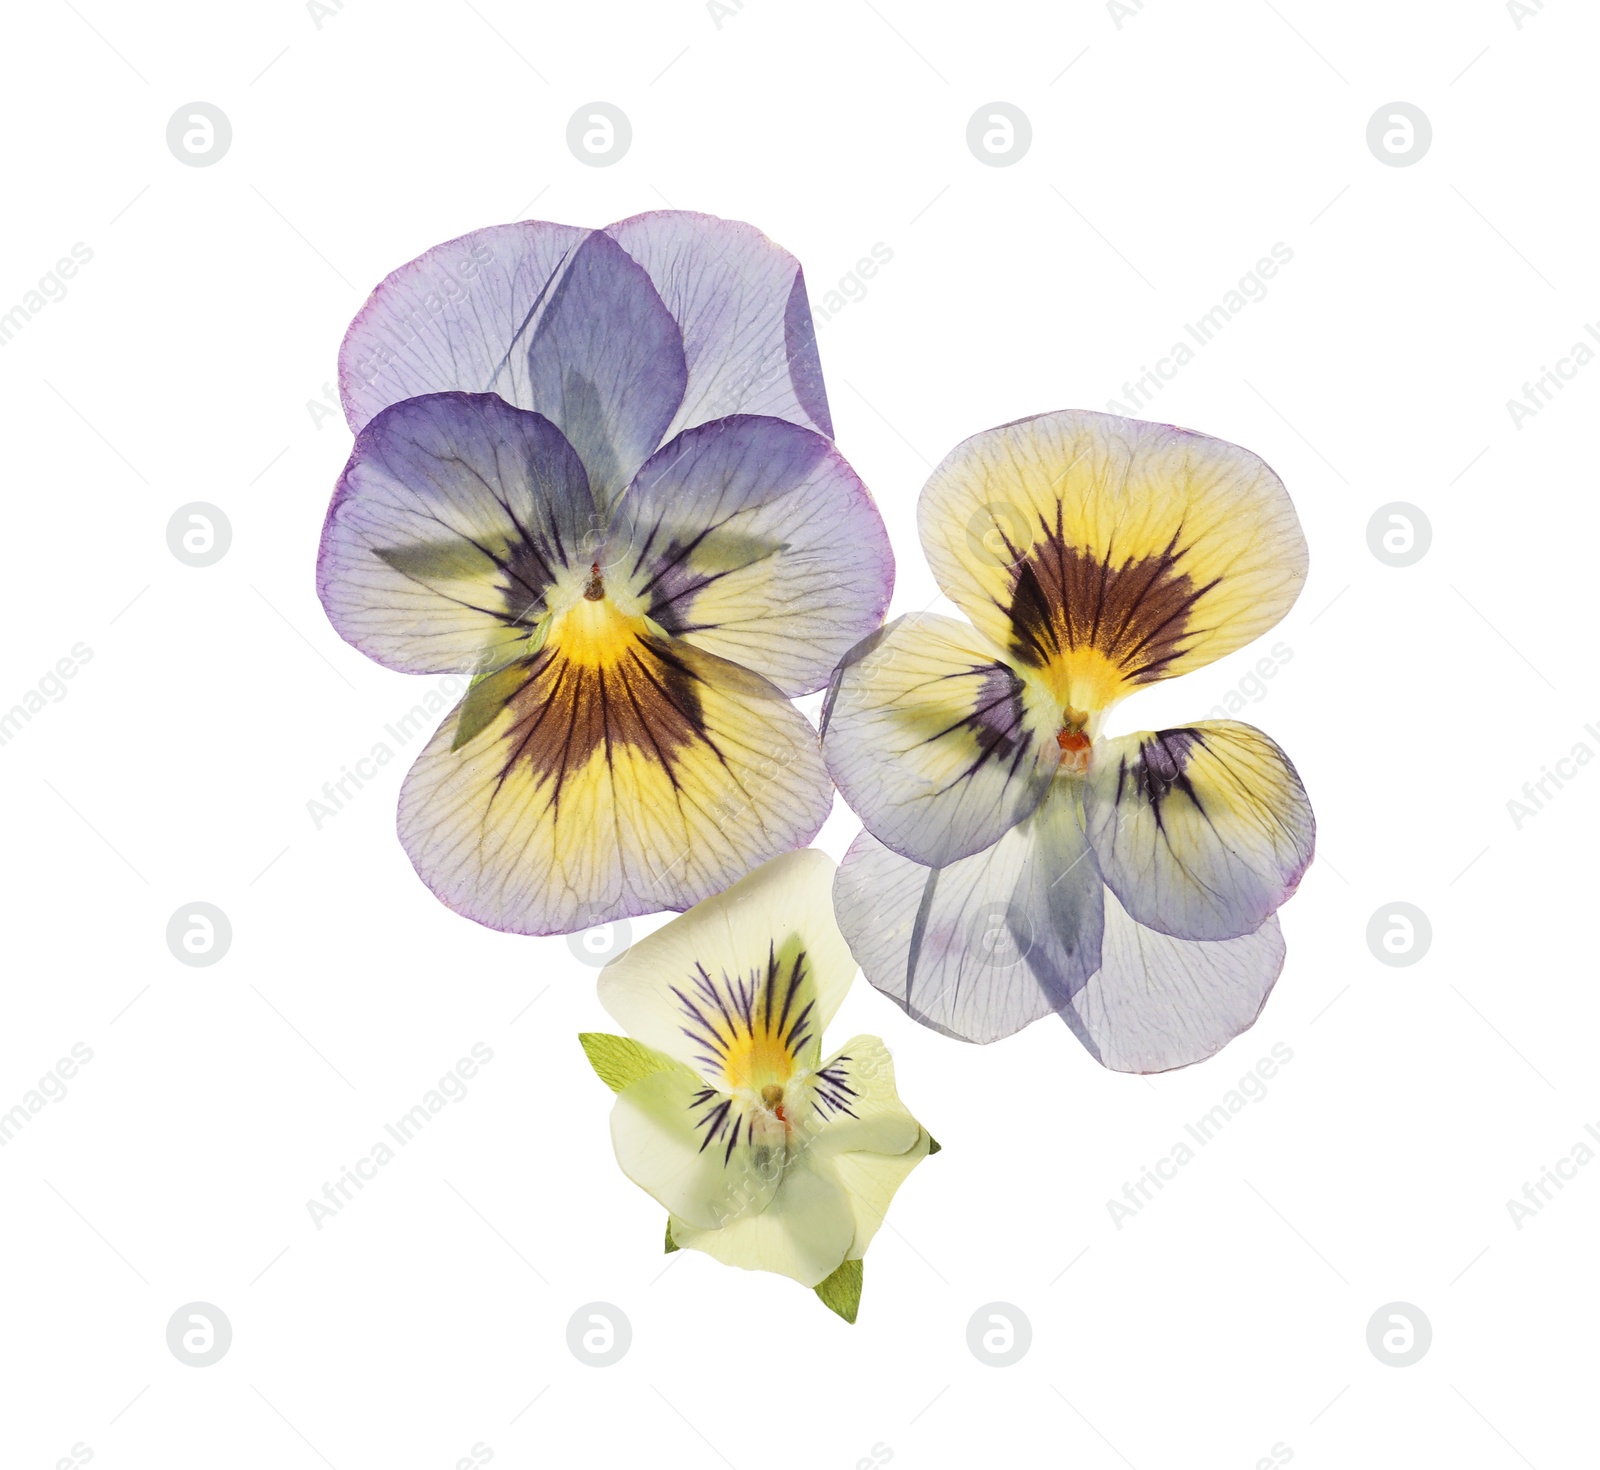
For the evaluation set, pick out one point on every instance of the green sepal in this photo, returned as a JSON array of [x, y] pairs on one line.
[[619, 1060], [841, 1292], [672, 1245], [933, 1145], [486, 697]]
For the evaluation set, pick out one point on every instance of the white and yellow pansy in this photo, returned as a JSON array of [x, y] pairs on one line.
[[767, 1152]]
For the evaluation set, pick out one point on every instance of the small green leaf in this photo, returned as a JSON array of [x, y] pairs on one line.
[[486, 697], [841, 1292], [672, 1245], [933, 1145], [619, 1060]]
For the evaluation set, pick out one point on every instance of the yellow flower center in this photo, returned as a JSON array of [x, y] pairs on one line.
[[1070, 696], [596, 628], [1084, 683], [758, 1062]]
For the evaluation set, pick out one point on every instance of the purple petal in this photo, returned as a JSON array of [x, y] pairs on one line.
[[741, 303], [447, 529], [449, 319], [606, 364], [983, 947], [805, 367], [1159, 1002], [752, 538]]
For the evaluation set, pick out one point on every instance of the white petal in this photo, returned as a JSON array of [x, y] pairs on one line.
[[804, 1232], [785, 907], [858, 1108], [869, 1182], [674, 1139]]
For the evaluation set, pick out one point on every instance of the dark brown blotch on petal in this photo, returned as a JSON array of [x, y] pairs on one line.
[[1135, 611], [646, 699]]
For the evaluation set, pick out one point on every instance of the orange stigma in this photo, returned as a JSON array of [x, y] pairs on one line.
[[1074, 749]]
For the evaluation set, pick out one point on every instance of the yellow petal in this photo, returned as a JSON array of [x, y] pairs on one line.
[[1202, 832], [626, 773], [1105, 553]]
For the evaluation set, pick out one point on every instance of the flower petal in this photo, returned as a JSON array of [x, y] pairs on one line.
[[1159, 1002], [858, 1108], [667, 1140], [869, 1182], [1106, 553], [804, 1232], [449, 319], [592, 791], [983, 947], [606, 363], [741, 303], [446, 531], [753, 539], [1200, 832], [931, 740], [745, 944]]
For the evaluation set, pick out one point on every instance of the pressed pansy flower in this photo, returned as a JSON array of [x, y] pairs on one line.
[[1018, 862], [767, 1151], [592, 469]]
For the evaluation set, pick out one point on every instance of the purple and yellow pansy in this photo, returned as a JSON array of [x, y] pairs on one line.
[[1017, 861], [593, 469]]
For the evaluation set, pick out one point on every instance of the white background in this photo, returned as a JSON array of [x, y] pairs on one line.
[[1169, 154]]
